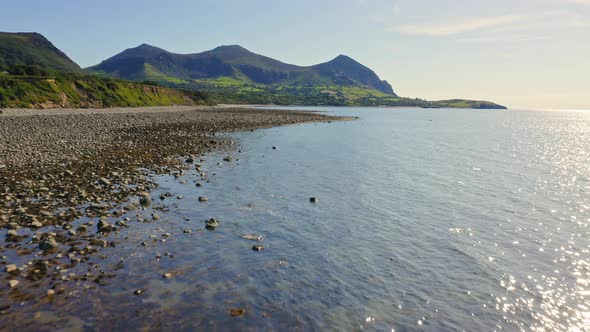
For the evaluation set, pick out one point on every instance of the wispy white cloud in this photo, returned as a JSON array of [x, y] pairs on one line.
[[457, 26], [517, 27]]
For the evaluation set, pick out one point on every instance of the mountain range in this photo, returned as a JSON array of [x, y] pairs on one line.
[[228, 74], [147, 62]]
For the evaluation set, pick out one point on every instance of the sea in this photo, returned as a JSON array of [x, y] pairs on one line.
[[426, 219]]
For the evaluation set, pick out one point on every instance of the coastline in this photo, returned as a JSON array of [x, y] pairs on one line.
[[70, 178]]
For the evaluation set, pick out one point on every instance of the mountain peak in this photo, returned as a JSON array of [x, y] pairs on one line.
[[229, 50], [345, 60], [146, 48], [348, 71], [341, 57], [144, 45], [230, 47], [32, 48]]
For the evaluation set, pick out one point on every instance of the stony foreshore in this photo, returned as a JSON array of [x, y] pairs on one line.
[[60, 166]]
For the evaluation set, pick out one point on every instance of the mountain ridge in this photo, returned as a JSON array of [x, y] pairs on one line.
[[237, 62]]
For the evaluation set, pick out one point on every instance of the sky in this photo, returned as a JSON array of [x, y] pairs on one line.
[[520, 53]]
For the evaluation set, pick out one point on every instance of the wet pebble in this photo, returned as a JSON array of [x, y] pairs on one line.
[[258, 247], [211, 224], [48, 244]]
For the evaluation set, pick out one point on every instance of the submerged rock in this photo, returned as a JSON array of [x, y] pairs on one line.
[[237, 312], [211, 224], [48, 244], [258, 247], [252, 237], [12, 236], [145, 200], [104, 227]]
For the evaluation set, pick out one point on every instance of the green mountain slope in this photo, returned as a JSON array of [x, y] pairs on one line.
[[20, 49], [147, 62], [86, 91], [42, 76]]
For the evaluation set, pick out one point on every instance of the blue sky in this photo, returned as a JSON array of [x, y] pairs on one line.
[[523, 53]]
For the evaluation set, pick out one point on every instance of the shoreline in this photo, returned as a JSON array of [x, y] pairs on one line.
[[68, 180]]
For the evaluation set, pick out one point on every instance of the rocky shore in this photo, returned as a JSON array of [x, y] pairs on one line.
[[69, 178]]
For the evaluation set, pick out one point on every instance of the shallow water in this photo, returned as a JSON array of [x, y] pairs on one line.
[[428, 219]]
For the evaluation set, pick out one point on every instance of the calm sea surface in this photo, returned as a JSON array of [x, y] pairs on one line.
[[437, 220]]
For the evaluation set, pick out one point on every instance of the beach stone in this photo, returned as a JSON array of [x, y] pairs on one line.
[[198, 184], [104, 227], [48, 244], [203, 199], [36, 224], [13, 225], [10, 268], [212, 223], [187, 231], [258, 247], [314, 199], [145, 200], [237, 312], [104, 181], [252, 237], [155, 216], [82, 228], [228, 158], [50, 292], [138, 292], [13, 283], [167, 275], [189, 160]]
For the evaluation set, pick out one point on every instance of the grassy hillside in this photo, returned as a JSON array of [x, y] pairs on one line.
[[227, 90], [21, 49], [87, 91], [463, 103], [236, 63]]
